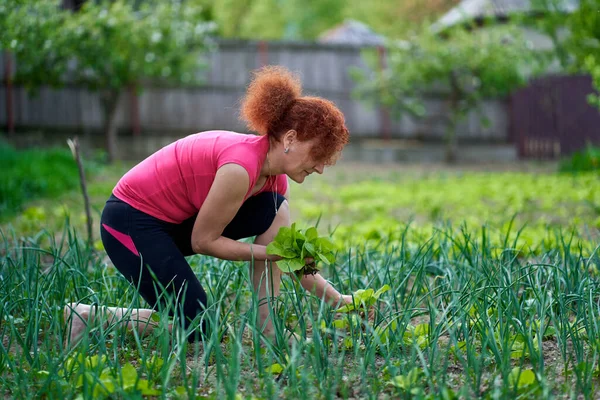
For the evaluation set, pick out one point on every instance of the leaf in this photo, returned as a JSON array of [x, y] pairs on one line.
[[180, 391], [155, 317], [284, 233], [549, 332], [290, 265], [294, 246], [129, 376], [408, 381], [346, 308], [147, 390], [323, 326], [348, 343], [107, 384], [421, 330], [309, 248], [277, 249], [340, 323], [365, 296], [520, 378], [324, 259], [324, 244], [275, 369], [382, 290], [311, 234]]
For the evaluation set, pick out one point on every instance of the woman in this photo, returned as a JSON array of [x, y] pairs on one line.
[[202, 193]]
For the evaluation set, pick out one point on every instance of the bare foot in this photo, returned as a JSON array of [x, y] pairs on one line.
[[77, 317]]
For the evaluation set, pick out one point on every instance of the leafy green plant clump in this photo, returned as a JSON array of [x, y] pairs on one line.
[[582, 161], [33, 173], [295, 246]]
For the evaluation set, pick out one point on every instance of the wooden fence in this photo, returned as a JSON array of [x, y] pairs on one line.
[[552, 118], [214, 104]]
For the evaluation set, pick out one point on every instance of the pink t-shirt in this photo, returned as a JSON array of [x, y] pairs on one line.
[[173, 183]]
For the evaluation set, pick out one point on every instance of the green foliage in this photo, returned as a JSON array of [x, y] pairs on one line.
[[307, 19], [521, 378], [584, 43], [28, 25], [30, 174], [468, 66], [363, 298], [582, 161], [592, 66], [471, 65], [551, 17], [294, 246], [254, 24], [365, 211], [109, 382], [463, 310], [107, 44], [584, 25]]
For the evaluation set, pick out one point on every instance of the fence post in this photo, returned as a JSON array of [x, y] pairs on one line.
[[134, 110], [10, 122], [384, 115], [263, 53]]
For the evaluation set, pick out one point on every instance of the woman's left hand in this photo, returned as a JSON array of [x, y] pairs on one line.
[[345, 299]]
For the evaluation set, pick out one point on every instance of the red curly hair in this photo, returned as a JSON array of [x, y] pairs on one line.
[[274, 104]]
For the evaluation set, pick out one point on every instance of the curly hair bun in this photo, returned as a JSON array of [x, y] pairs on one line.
[[271, 93]]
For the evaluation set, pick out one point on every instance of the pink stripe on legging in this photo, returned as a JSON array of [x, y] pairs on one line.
[[123, 238]]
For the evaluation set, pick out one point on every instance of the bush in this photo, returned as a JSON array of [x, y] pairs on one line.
[[582, 161], [30, 174]]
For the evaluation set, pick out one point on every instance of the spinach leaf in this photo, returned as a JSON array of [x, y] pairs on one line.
[[294, 245]]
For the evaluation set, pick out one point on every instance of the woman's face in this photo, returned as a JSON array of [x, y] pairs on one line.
[[299, 162]]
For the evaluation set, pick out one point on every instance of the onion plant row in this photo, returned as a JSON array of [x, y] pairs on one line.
[[449, 316]]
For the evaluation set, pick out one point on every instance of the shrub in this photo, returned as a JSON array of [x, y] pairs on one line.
[[33, 173], [582, 161]]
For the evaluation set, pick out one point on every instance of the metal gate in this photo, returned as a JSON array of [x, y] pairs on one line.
[[551, 117]]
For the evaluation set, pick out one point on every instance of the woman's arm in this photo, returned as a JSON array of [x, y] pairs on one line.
[[224, 199], [317, 285]]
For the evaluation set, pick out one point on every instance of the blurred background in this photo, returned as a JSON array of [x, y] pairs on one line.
[[440, 80], [471, 110]]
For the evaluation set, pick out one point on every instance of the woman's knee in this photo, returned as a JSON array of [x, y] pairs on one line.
[[282, 218]]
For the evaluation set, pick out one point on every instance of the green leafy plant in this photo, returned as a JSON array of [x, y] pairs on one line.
[[521, 378], [408, 383], [582, 161], [30, 174], [363, 298], [294, 246]]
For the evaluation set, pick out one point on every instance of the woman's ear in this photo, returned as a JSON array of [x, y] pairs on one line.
[[289, 138]]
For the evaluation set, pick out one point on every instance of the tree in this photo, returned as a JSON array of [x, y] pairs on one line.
[[106, 46], [28, 25], [468, 66], [585, 43], [551, 17], [307, 19], [264, 21]]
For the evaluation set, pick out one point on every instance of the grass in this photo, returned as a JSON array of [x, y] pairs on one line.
[[473, 310], [32, 173]]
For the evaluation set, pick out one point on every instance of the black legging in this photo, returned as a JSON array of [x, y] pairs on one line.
[[131, 237]]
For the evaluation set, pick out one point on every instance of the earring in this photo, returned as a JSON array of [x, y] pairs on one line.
[[286, 150]]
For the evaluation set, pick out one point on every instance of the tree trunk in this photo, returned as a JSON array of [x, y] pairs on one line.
[[110, 100], [451, 140], [10, 122], [451, 144]]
